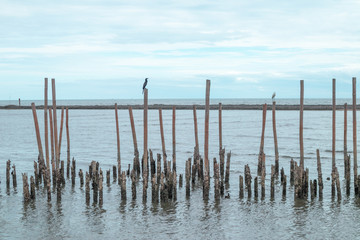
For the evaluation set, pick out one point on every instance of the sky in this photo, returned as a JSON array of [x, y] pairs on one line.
[[248, 49]]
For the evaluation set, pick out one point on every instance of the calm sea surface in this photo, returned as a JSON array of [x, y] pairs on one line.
[[93, 137]]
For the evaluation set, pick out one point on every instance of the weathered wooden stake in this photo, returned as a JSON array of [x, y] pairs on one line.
[[61, 129], [163, 141], [356, 188], [87, 188], [81, 176], [114, 174], [118, 142], [145, 157], [68, 144], [32, 188], [13, 173], [338, 188], [174, 138], [158, 170], [55, 123], [216, 182], [220, 127], [347, 174], [26, 192], [101, 198], [38, 139], [188, 176], [256, 191], [320, 180], [195, 129], [284, 187], [241, 187], [8, 165], [263, 182], [272, 183], [46, 139], [73, 172], [247, 179], [180, 181], [227, 172], [275, 139], [345, 137], [53, 164], [301, 137], [292, 169], [206, 142], [261, 151], [133, 184]]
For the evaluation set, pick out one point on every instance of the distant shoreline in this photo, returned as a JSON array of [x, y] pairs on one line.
[[190, 107]]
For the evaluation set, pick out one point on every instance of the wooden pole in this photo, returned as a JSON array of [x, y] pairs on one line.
[[46, 124], [174, 138], [53, 160], [301, 124], [51, 136], [261, 150], [118, 142], [61, 129], [333, 174], [333, 122], [68, 144], [145, 130], [345, 136], [133, 129], [55, 124], [275, 139], [320, 180], [195, 128], [37, 130], [220, 127], [162, 138], [206, 142], [356, 189]]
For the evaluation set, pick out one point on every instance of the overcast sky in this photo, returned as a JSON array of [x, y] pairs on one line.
[[105, 49]]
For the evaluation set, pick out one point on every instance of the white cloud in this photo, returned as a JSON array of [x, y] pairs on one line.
[[245, 41]]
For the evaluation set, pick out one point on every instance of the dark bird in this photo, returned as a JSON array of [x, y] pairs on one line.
[[227, 196], [145, 83], [273, 96]]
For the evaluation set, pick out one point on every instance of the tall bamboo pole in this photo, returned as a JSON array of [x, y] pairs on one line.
[[356, 189], [133, 129], [195, 128], [206, 142], [61, 129], [52, 137], [162, 134], [275, 139], [68, 144], [37, 130], [145, 130], [174, 137], [345, 135], [46, 124], [261, 150], [55, 123], [301, 124], [220, 126], [118, 141], [333, 122]]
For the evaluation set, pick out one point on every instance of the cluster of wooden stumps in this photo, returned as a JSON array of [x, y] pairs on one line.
[[164, 179]]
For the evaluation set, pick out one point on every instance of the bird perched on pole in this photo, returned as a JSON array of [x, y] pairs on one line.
[[145, 83]]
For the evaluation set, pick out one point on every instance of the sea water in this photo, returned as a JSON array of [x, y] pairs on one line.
[[93, 137]]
